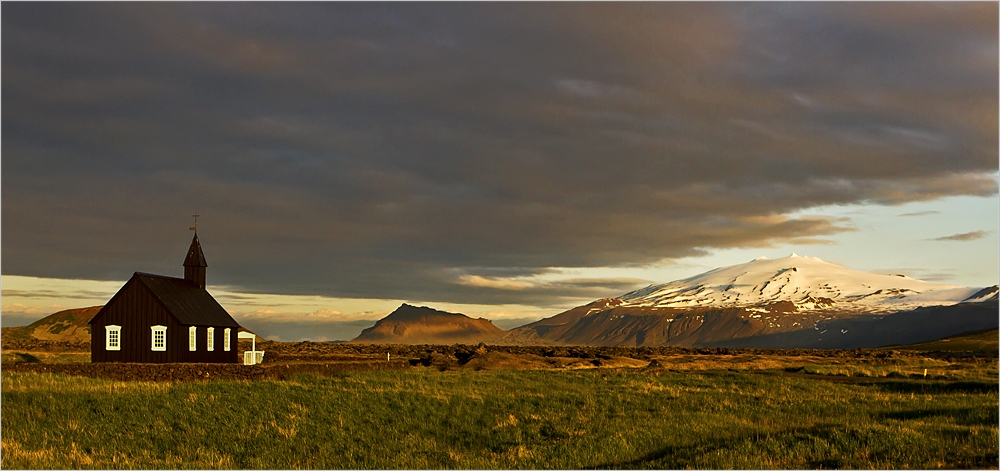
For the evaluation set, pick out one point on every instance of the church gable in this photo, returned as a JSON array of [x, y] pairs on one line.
[[128, 290], [121, 330]]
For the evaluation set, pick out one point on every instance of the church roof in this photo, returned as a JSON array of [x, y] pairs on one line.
[[189, 303], [195, 257]]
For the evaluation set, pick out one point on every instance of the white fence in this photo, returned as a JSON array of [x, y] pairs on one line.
[[253, 357]]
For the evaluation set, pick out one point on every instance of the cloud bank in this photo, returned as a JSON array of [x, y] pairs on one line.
[[449, 152]]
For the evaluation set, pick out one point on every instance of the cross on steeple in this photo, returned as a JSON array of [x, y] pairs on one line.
[[195, 226]]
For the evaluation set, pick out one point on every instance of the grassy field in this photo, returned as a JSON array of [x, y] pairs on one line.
[[424, 418], [980, 342]]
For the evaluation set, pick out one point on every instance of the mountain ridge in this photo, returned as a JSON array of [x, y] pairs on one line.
[[419, 325]]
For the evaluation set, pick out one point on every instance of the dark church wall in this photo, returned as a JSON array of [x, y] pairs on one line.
[[202, 355]]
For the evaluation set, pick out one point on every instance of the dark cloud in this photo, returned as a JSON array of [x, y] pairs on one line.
[[492, 290], [50, 293], [384, 149], [919, 213], [964, 236]]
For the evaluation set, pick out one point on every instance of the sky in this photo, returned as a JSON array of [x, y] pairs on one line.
[[504, 160]]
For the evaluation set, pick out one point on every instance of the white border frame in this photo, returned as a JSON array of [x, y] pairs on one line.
[[155, 329], [108, 329]]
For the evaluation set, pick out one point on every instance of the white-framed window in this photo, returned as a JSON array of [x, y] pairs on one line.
[[225, 343], [192, 338], [211, 338], [112, 337], [159, 338]]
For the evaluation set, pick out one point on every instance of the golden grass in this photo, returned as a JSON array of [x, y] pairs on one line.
[[77, 458], [30, 382]]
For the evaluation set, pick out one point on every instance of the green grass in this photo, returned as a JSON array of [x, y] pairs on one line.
[[424, 418]]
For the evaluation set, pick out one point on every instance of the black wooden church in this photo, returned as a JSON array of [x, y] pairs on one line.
[[161, 319]]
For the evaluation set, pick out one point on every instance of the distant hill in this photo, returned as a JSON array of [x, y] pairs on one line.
[[985, 341], [70, 325], [923, 324], [419, 325]]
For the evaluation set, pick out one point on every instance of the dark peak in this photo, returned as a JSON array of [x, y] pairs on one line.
[[195, 257], [407, 312]]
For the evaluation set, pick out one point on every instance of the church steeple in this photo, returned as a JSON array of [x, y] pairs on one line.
[[195, 264]]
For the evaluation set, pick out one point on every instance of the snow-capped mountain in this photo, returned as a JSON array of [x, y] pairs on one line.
[[808, 282], [792, 302]]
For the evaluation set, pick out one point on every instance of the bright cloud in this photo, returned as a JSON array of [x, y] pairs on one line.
[[481, 282]]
